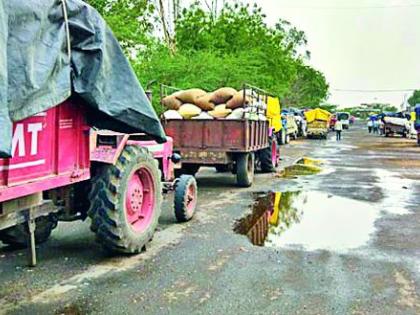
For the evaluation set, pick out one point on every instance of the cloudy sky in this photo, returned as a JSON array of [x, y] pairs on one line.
[[358, 44]]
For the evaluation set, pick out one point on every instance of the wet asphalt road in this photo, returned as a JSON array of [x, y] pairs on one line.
[[204, 268]]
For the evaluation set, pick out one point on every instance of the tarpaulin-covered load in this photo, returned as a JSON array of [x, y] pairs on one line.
[[317, 114], [397, 121], [46, 57]]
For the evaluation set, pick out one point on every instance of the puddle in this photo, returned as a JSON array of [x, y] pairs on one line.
[[397, 191], [309, 220]]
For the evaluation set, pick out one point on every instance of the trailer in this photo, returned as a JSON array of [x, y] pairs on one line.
[[396, 126], [224, 144], [318, 121], [228, 145], [62, 170]]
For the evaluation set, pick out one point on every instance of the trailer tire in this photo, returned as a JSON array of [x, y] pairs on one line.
[[268, 156], [185, 200], [18, 236], [282, 137], [126, 208], [245, 166]]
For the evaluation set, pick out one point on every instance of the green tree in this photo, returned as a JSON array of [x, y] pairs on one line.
[[212, 47], [308, 89], [130, 20], [414, 98]]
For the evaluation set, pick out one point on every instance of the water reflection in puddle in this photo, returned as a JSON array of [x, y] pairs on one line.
[[309, 220]]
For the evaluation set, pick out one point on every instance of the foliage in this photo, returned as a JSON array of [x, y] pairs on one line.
[[308, 89], [130, 20], [328, 107], [212, 49], [414, 98]]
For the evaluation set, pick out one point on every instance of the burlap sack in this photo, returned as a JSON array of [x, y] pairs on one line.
[[190, 96], [171, 115], [237, 113], [204, 102], [220, 111], [238, 100], [171, 102], [188, 111], [223, 95]]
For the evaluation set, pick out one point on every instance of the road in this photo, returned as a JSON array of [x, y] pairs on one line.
[[371, 265]]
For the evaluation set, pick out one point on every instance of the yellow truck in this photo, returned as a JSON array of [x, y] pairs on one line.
[[318, 122], [275, 120]]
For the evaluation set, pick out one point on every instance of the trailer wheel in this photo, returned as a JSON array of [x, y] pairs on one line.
[[18, 236], [282, 137], [185, 200], [268, 156], [126, 207], [245, 164]]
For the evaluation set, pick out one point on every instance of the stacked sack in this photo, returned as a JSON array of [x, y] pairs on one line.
[[224, 103]]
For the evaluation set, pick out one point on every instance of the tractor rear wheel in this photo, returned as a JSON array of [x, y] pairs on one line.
[[126, 201], [245, 164], [185, 200], [18, 236]]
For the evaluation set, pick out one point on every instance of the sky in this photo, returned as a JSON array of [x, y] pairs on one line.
[[358, 44]]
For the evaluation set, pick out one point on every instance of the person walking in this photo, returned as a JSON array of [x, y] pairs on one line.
[[370, 125], [338, 129], [376, 126]]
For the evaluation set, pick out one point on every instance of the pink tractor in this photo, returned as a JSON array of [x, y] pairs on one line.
[[63, 170]]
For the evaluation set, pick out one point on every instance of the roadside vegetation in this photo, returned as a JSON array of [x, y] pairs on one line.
[[207, 45]]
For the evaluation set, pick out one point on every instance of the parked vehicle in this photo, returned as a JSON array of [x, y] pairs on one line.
[[55, 166], [344, 117], [228, 145], [417, 122], [278, 123], [300, 121], [318, 123], [394, 126], [292, 129], [55, 175], [396, 123]]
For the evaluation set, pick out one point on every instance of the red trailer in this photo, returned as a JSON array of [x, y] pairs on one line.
[[235, 145], [62, 170], [225, 144]]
